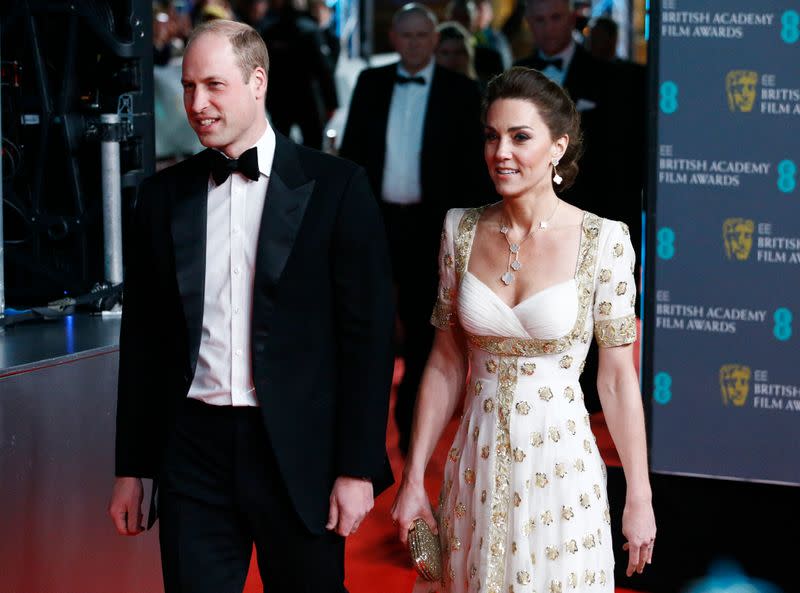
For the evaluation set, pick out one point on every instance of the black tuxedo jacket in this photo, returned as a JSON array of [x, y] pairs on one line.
[[321, 327], [452, 169], [611, 105]]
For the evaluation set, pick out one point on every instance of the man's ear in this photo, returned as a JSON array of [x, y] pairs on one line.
[[259, 77]]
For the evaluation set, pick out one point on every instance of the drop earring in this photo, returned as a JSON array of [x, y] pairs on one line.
[[557, 179]]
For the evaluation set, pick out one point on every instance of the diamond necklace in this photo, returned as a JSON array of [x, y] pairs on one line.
[[513, 248]]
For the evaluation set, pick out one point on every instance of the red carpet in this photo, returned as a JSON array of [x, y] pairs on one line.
[[376, 562]]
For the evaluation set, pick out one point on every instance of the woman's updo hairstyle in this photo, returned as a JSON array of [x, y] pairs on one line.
[[554, 106]]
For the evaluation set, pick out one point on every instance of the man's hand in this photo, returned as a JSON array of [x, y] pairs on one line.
[[351, 500], [125, 507]]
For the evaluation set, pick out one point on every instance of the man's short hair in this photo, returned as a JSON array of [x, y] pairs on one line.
[[248, 46], [606, 24], [414, 8]]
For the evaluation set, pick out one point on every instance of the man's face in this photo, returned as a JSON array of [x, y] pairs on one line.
[[551, 22], [414, 37], [224, 111]]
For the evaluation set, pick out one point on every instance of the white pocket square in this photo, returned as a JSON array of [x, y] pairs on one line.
[[585, 105]]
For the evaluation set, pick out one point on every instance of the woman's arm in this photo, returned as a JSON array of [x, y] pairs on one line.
[[618, 387], [440, 391]]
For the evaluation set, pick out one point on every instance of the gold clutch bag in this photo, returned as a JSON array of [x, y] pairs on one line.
[[425, 550]]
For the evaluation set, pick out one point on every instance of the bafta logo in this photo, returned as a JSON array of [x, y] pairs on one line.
[[734, 380], [738, 236], [741, 88]]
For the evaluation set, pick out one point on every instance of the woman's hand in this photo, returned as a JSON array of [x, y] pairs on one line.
[[639, 528], [411, 503]]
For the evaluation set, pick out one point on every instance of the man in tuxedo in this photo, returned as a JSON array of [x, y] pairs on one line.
[[255, 349], [611, 175], [303, 91], [416, 129]]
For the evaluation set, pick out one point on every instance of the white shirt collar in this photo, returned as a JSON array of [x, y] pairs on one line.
[[266, 151]]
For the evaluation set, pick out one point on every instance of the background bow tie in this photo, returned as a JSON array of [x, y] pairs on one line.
[[542, 63], [412, 79], [222, 166]]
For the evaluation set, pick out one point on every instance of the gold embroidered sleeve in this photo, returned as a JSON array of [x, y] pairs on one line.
[[615, 288], [615, 332], [443, 316]]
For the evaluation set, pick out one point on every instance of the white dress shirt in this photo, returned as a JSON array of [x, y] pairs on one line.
[[553, 73], [401, 183], [224, 374]]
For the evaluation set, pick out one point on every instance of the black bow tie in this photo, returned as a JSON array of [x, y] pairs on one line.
[[542, 63], [412, 79], [222, 166]]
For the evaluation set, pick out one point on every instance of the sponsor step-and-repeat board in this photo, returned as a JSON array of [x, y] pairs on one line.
[[724, 328]]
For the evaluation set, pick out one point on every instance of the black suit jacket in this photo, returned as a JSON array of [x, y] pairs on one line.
[[452, 169], [611, 172], [301, 83], [321, 327]]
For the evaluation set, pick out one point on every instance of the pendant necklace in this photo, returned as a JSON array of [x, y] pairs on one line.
[[514, 265]]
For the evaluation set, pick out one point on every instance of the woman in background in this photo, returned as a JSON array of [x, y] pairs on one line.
[[454, 50]]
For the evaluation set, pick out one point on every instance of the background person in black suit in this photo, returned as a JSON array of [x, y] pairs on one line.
[[331, 46], [416, 129], [302, 90], [611, 173], [257, 285]]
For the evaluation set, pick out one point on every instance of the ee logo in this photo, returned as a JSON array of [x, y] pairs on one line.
[[783, 324], [662, 388], [787, 172], [790, 32], [665, 248], [668, 97]]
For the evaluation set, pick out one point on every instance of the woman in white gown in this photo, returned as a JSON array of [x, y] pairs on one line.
[[524, 284]]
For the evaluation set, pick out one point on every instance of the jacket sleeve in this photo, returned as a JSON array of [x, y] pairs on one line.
[[135, 452], [364, 312]]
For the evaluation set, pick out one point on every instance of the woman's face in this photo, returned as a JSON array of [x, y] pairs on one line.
[[453, 55], [519, 149]]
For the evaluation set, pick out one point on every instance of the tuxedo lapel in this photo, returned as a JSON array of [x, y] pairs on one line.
[[288, 194], [436, 98], [379, 120], [573, 75], [188, 225]]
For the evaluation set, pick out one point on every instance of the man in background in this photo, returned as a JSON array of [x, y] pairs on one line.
[[611, 176], [303, 92], [416, 129]]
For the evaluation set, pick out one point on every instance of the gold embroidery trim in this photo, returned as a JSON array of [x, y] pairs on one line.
[[615, 332], [442, 316], [501, 489], [464, 236], [584, 275]]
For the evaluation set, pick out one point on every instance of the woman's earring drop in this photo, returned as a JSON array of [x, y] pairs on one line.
[[556, 177]]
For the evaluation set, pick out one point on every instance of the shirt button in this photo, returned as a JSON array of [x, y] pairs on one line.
[[237, 352], [236, 310], [236, 230], [236, 271]]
